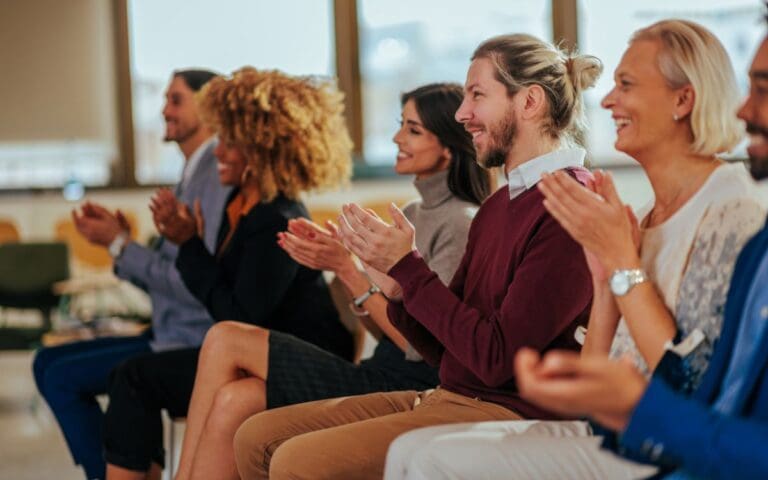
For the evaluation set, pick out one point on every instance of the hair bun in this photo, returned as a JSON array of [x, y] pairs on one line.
[[583, 70]]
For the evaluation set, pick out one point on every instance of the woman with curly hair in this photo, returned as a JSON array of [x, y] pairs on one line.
[[245, 369], [278, 137]]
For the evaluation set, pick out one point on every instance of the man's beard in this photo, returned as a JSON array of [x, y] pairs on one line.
[[758, 166], [182, 135], [501, 138]]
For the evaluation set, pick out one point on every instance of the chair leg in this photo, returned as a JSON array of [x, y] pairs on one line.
[[46, 313], [169, 464]]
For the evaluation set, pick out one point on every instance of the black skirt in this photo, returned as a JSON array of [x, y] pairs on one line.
[[301, 372]]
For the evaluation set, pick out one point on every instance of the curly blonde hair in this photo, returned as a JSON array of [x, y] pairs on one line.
[[291, 129]]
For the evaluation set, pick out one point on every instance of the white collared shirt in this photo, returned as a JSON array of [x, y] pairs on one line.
[[529, 173], [194, 160]]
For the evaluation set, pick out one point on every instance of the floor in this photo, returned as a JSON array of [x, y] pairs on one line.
[[31, 446]]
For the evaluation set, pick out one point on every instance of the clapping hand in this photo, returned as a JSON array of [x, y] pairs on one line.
[[596, 218], [575, 385], [173, 219], [375, 242], [315, 247], [98, 225]]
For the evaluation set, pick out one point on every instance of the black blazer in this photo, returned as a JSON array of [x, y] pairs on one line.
[[253, 280]]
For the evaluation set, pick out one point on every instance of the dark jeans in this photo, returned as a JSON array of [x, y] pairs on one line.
[[69, 377], [138, 390]]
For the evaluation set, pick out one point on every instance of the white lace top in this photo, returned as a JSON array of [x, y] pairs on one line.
[[690, 257]]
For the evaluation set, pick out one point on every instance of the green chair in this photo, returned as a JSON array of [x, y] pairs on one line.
[[27, 274]]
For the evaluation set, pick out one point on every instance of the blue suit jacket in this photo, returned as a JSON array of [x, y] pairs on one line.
[[672, 430], [178, 318]]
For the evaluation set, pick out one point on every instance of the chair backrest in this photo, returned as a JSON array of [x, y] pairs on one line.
[[28, 272], [8, 231], [84, 251]]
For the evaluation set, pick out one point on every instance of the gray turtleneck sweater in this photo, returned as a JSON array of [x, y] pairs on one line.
[[442, 225]]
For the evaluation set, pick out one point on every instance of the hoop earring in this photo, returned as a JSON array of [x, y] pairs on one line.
[[248, 172]]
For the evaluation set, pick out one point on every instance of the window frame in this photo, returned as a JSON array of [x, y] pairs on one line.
[[347, 53]]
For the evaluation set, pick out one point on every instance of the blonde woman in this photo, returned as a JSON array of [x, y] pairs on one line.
[[278, 136], [655, 285]]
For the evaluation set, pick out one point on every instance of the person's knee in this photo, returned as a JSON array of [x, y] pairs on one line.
[[302, 457], [57, 385], [233, 403], [40, 364], [125, 373], [223, 335], [133, 377], [251, 444]]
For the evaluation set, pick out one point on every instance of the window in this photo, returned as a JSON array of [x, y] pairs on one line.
[[58, 122], [606, 25], [405, 44], [291, 35]]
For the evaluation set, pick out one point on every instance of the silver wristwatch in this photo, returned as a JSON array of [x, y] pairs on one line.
[[116, 247], [622, 281], [358, 301]]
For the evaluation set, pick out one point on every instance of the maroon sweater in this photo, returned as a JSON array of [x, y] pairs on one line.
[[523, 282]]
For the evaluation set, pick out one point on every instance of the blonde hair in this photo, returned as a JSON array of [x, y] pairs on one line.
[[521, 60], [291, 129], [691, 54]]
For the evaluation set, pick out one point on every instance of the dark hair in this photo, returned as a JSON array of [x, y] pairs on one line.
[[195, 78], [436, 104]]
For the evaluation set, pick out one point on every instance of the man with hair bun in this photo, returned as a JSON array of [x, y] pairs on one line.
[[673, 101], [522, 281]]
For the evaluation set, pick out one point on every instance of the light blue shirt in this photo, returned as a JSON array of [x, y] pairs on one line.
[[529, 173], [178, 318]]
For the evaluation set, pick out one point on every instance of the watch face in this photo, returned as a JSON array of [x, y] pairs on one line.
[[619, 283]]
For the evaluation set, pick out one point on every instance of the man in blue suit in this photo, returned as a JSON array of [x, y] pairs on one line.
[[70, 376], [719, 431]]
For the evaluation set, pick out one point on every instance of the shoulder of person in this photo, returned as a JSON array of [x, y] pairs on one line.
[[745, 212], [275, 214]]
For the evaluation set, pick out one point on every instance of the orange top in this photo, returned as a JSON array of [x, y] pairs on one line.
[[237, 209]]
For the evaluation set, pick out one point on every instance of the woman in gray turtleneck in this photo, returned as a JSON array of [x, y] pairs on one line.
[[245, 369]]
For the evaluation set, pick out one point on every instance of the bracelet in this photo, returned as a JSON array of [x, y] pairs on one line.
[[357, 302]]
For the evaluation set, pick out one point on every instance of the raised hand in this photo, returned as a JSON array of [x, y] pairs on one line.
[[574, 385], [597, 219], [97, 224], [314, 247], [375, 242], [173, 219]]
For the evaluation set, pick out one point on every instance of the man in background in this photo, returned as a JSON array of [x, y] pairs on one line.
[[70, 376]]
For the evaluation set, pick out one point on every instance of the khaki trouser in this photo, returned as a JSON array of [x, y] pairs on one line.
[[346, 438]]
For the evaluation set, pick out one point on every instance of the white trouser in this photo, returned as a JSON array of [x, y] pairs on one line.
[[525, 449]]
